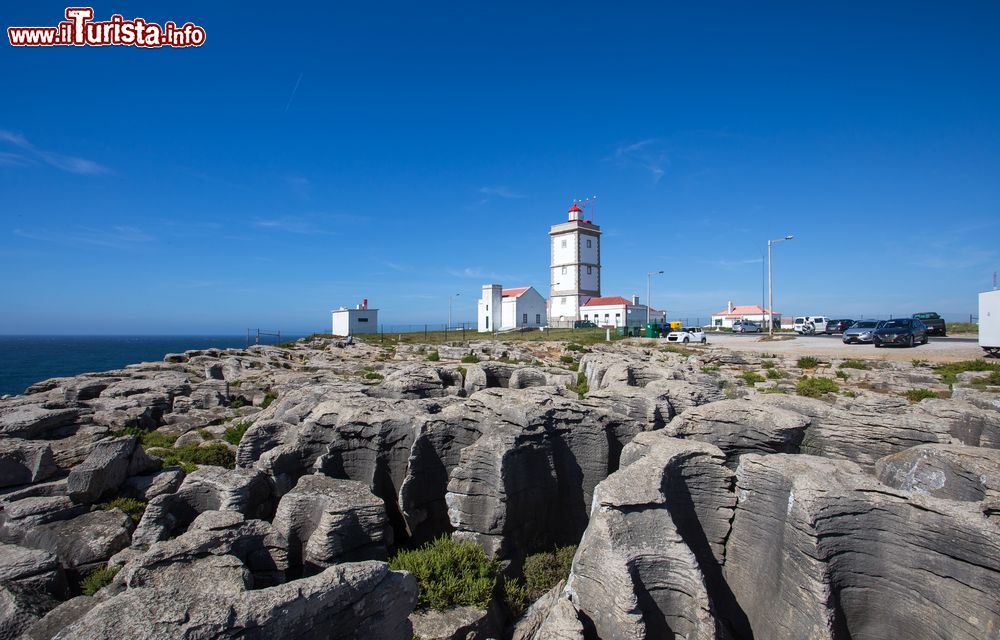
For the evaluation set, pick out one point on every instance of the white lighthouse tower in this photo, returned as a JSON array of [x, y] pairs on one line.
[[575, 266]]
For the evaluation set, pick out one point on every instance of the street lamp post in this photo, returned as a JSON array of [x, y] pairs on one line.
[[450, 298], [649, 277], [770, 290]]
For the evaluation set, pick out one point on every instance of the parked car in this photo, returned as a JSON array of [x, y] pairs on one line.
[[838, 326], [904, 331], [810, 324], [861, 331], [687, 334], [934, 323], [745, 326]]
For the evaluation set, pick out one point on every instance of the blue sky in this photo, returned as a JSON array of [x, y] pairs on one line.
[[311, 154]]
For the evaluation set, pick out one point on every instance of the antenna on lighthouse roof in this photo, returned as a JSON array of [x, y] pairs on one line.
[[589, 205]]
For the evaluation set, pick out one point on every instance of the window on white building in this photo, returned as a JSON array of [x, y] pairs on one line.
[[524, 318], [562, 300], [487, 322], [564, 243], [564, 270], [588, 270], [588, 243], [538, 318]]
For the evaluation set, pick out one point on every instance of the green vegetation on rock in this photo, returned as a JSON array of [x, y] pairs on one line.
[[433, 356], [807, 362], [234, 434], [815, 387], [133, 508], [269, 397], [949, 372], [854, 364], [97, 580], [916, 395], [188, 456], [751, 377], [470, 359], [449, 573]]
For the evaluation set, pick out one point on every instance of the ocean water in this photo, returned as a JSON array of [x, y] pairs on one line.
[[25, 360]]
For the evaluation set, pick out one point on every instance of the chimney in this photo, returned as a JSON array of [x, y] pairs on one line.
[[635, 299], [729, 307]]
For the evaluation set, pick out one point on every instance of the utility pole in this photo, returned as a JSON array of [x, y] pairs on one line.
[[649, 277], [450, 297], [770, 289]]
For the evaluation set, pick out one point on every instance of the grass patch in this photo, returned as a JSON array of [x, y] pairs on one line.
[[581, 387], [961, 327], [774, 390], [842, 375], [849, 394], [133, 508], [269, 397], [581, 337], [470, 359], [815, 387], [767, 364], [449, 573], [372, 375], [434, 356], [516, 595], [97, 580], [776, 374], [189, 456], [949, 372], [672, 348], [916, 395], [234, 434], [807, 362], [710, 368], [579, 348], [566, 359], [237, 402], [992, 380], [148, 439], [751, 377], [542, 571], [917, 362], [205, 434], [775, 338], [854, 364]]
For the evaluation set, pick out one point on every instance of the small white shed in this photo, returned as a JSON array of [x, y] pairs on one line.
[[349, 322]]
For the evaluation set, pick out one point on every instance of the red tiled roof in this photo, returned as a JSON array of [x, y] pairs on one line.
[[602, 302], [739, 310], [514, 293]]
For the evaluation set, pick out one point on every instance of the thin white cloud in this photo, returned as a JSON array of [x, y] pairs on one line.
[[310, 224], [732, 264], [115, 237], [645, 154], [72, 164], [502, 192], [479, 274]]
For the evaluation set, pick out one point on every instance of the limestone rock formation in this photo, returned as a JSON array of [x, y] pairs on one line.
[[956, 472], [108, 465]]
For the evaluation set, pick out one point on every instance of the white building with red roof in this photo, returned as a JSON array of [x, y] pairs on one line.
[[616, 311], [502, 309], [752, 312]]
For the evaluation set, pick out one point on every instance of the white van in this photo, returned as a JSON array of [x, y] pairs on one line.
[[818, 324]]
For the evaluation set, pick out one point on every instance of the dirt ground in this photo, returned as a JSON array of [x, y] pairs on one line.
[[934, 351]]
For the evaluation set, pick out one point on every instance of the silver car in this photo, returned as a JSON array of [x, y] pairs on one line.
[[861, 331]]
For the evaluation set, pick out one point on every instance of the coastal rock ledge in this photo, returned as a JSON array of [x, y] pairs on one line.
[[261, 493]]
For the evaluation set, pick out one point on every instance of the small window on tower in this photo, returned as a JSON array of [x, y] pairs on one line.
[[562, 300], [588, 243], [564, 243], [588, 271], [564, 271]]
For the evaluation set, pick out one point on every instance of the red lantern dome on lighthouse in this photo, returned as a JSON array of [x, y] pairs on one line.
[[575, 212]]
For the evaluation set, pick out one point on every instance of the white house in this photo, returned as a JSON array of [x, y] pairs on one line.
[[501, 309], [732, 313], [348, 322], [616, 311], [575, 267]]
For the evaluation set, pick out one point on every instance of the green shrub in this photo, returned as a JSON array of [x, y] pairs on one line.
[[543, 570], [188, 456], [470, 359], [147, 439], [950, 371], [516, 595], [807, 362], [434, 356], [449, 573], [581, 387], [566, 359], [234, 434], [917, 362], [751, 377], [205, 434], [236, 402], [767, 364], [463, 371], [774, 390], [710, 368], [683, 351], [842, 375], [916, 395], [776, 374], [97, 580], [372, 375], [133, 508], [269, 397], [849, 394], [815, 387], [854, 364]]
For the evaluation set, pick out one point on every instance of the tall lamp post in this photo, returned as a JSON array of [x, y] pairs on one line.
[[770, 290], [450, 298], [649, 277]]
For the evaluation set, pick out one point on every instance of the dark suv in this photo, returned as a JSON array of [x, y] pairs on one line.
[[933, 322], [902, 331], [838, 326]]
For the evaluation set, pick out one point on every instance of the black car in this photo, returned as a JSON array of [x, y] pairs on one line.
[[901, 331], [933, 322], [838, 326]]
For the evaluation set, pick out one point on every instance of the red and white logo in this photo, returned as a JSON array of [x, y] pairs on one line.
[[80, 30]]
